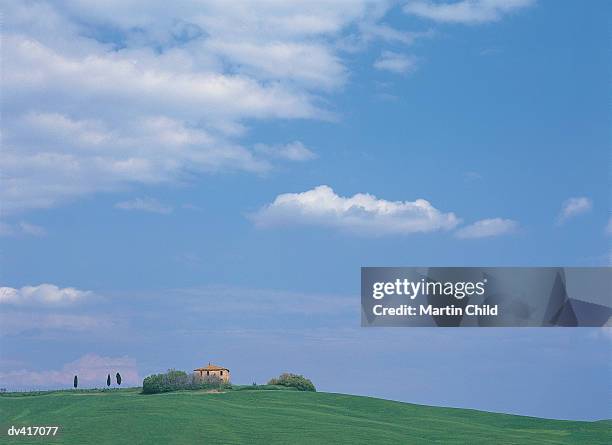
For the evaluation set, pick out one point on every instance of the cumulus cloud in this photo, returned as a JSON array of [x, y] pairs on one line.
[[573, 207], [311, 64], [363, 213], [146, 205], [294, 151], [43, 294], [487, 228], [101, 97], [91, 369], [395, 63], [465, 11]]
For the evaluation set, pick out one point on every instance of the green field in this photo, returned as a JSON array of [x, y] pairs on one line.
[[283, 417]]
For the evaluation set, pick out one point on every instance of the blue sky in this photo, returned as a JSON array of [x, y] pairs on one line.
[[203, 184]]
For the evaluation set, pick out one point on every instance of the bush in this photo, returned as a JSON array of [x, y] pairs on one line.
[[299, 382], [174, 380]]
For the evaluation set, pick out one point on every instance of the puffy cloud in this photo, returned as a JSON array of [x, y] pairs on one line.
[[53, 156], [82, 156], [465, 11], [396, 63], [98, 98], [44, 294], [294, 151], [144, 204], [141, 79], [312, 65], [486, 228], [91, 369], [366, 214], [574, 207], [361, 213], [101, 96]]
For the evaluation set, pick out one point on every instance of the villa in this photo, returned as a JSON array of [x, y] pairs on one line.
[[212, 371]]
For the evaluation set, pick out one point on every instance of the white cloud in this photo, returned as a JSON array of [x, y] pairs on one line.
[[574, 207], [361, 213], [145, 204], [102, 156], [294, 151], [100, 96], [312, 65], [43, 294], [487, 228], [465, 11], [396, 63], [91, 370], [104, 97]]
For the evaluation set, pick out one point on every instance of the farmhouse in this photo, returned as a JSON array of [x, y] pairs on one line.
[[212, 371]]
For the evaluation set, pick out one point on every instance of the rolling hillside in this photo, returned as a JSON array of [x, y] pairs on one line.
[[284, 417]]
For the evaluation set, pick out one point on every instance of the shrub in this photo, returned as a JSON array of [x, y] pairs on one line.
[[299, 382], [152, 384]]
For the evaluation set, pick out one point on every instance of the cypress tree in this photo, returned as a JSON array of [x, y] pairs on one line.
[[108, 380], [118, 377], [76, 381]]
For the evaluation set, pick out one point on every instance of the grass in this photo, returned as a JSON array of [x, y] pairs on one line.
[[273, 417]]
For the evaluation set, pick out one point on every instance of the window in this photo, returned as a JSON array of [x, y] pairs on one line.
[[221, 372], [207, 372]]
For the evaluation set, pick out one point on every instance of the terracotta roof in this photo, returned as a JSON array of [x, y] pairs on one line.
[[212, 368]]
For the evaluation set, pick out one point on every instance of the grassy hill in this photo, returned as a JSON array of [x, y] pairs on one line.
[[284, 417]]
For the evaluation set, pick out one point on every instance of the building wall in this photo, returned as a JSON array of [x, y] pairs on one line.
[[202, 375]]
